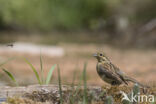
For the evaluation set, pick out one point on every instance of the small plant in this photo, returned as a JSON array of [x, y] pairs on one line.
[[60, 85], [109, 100], [74, 77], [74, 92], [10, 76], [7, 72], [40, 78], [77, 91], [85, 85], [136, 89]]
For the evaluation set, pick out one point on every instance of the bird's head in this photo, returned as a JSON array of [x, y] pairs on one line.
[[101, 57]]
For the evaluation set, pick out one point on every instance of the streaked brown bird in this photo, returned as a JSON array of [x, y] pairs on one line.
[[110, 73]]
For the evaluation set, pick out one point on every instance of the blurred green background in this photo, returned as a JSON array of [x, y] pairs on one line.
[[98, 21]]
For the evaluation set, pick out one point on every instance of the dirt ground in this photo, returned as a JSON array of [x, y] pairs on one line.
[[140, 64]]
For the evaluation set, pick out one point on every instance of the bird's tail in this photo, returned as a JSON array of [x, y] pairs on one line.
[[135, 81]]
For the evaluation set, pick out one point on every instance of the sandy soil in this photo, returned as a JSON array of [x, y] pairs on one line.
[[140, 64]]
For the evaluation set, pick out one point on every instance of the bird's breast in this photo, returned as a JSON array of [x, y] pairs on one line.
[[102, 75]]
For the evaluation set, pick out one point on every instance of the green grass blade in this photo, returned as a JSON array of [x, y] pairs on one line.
[[34, 70], [41, 64], [76, 92], [10, 76], [50, 74], [72, 98], [6, 61], [60, 85], [85, 84], [41, 68], [74, 76]]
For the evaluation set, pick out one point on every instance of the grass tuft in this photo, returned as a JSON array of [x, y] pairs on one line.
[[40, 77], [85, 84], [60, 85]]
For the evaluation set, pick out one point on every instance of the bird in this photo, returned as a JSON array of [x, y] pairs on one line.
[[110, 73]]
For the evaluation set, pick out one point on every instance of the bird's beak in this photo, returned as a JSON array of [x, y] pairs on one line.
[[95, 55]]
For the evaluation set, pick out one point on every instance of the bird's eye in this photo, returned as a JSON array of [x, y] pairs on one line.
[[100, 54]]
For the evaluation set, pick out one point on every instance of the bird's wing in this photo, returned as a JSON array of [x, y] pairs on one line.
[[120, 73], [109, 73]]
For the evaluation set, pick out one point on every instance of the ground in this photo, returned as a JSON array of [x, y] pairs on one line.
[[50, 94]]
